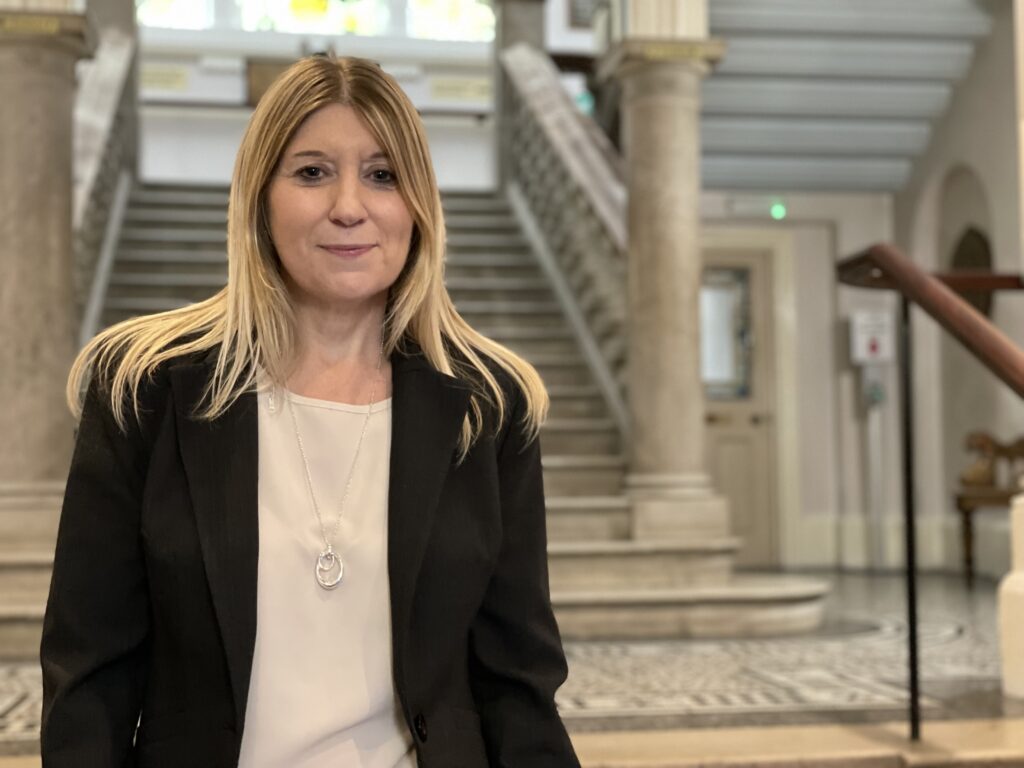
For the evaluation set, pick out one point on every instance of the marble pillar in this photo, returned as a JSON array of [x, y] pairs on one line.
[[517, 21], [38, 52], [667, 482]]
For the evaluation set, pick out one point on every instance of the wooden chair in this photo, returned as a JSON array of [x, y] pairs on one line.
[[992, 479]]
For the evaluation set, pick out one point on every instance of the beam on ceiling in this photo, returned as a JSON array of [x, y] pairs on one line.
[[846, 58], [803, 174], [887, 18], [792, 136], [725, 95]]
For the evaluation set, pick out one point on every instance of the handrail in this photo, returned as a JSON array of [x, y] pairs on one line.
[[568, 195], [883, 266], [104, 150], [93, 311]]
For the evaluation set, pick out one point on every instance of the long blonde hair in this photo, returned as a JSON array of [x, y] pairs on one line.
[[251, 318]]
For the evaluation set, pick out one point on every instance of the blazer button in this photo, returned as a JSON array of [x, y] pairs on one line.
[[420, 725]]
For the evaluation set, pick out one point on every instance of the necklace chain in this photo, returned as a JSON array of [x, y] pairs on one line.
[[328, 559]]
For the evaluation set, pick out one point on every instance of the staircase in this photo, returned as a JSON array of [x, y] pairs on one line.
[[172, 252]]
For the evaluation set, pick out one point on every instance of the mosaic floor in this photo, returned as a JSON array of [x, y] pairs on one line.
[[853, 670]]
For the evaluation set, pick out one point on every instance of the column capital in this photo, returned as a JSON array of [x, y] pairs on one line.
[[70, 31], [632, 53]]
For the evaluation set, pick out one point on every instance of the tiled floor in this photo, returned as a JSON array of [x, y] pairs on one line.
[[852, 672]]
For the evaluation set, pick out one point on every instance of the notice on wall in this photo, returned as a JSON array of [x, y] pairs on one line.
[[872, 337]]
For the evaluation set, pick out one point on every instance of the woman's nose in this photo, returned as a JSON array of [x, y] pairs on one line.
[[347, 207]]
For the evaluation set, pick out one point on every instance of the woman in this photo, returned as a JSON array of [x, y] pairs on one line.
[[304, 522]]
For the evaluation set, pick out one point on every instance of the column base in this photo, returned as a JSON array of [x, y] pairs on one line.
[[667, 507]]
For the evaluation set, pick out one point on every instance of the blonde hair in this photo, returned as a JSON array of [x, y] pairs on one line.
[[251, 318]]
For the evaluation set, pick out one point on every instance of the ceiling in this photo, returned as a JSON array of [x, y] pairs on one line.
[[831, 94]]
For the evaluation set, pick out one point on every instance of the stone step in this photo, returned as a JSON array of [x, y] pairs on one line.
[[25, 576], [495, 259], [743, 606], [21, 628], [630, 565], [206, 217], [582, 436], [146, 258], [474, 203], [596, 475], [463, 222], [587, 518], [28, 528], [168, 197], [570, 370], [513, 242], [169, 237]]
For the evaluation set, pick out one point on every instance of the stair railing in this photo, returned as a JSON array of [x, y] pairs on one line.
[[883, 266], [105, 125], [570, 198]]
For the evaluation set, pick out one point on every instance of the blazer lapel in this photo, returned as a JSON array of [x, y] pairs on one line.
[[221, 465], [427, 411]]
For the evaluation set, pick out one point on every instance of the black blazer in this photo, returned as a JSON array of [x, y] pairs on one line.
[[152, 607]]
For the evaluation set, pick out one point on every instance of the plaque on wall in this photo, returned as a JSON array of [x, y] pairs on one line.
[[581, 13]]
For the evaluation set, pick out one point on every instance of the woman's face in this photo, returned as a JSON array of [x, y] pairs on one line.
[[338, 222]]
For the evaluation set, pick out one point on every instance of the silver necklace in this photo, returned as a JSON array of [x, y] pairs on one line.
[[329, 568]]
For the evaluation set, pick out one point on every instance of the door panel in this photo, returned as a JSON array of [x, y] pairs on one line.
[[736, 367]]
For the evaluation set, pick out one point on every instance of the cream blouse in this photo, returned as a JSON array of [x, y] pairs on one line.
[[322, 691]]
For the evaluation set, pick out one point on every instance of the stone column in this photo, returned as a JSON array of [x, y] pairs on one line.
[[667, 482], [517, 21], [38, 52]]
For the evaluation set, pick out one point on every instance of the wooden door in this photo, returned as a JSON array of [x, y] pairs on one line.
[[736, 367]]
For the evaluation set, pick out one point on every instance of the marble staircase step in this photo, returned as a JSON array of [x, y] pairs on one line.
[[25, 576], [511, 242], [747, 605], [587, 518], [594, 475], [167, 197], [200, 217], [461, 221], [580, 436], [630, 565], [170, 237], [25, 528], [21, 627], [498, 289]]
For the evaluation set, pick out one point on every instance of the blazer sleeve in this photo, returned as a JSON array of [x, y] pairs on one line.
[[93, 650], [516, 656]]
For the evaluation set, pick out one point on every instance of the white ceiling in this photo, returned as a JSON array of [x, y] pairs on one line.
[[831, 94]]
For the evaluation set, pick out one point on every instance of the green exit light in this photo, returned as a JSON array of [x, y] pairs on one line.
[[778, 211]]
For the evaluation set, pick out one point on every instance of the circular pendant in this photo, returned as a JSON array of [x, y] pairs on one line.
[[329, 569]]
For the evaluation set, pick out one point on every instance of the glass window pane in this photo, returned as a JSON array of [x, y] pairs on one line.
[[471, 20], [725, 333], [175, 14], [354, 17]]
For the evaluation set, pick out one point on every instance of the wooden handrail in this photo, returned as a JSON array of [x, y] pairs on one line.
[[883, 266]]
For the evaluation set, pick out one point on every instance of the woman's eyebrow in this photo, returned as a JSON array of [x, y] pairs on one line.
[[380, 155]]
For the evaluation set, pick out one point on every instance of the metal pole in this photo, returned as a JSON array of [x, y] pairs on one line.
[[906, 359]]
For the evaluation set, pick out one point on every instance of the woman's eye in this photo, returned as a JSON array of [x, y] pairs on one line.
[[311, 172], [383, 176]]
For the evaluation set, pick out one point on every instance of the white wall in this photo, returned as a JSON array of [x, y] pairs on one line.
[[980, 132]]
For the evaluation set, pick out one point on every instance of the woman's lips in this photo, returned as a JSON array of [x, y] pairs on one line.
[[349, 251]]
